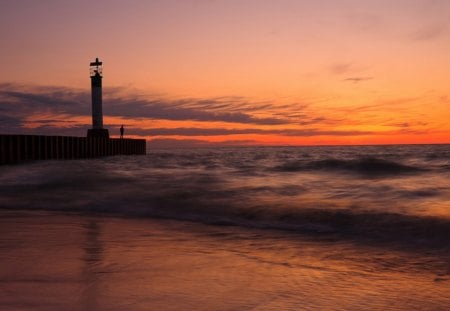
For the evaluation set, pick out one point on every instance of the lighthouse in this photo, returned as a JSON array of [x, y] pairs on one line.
[[96, 74]]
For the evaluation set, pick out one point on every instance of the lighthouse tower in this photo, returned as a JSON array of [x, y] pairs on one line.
[[96, 91]]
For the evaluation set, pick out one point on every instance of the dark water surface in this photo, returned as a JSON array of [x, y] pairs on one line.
[[382, 192], [337, 228]]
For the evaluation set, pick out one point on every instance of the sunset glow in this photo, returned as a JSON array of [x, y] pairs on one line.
[[226, 72]]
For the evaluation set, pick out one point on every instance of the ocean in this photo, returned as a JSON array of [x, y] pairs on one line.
[[242, 228]]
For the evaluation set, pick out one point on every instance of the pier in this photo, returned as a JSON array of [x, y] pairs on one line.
[[19, 148]]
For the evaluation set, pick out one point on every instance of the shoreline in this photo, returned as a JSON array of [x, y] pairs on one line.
[[373, 235]]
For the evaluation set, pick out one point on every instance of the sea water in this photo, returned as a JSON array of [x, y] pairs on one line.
[[261, 228]]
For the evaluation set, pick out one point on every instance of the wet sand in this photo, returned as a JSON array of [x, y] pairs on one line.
[[51, 261]]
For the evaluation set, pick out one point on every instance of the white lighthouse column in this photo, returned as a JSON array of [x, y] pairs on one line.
[[96, 92]]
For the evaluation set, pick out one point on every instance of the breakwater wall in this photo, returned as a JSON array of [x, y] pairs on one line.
[[18, 148]]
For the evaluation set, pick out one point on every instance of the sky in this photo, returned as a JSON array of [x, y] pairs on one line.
[[230, 72]]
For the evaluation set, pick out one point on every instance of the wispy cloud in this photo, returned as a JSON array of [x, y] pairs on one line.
[[179, 110], [18, 102], [358, 79], [221, 131], [409, 124], [190, 143]]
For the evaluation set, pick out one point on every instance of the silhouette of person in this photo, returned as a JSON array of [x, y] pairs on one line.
[[121, 131]]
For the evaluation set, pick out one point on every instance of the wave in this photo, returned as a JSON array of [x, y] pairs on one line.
[[381, 227], [363, 166], [201, 198]]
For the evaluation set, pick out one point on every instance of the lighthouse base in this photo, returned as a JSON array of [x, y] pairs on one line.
[[97, 133]]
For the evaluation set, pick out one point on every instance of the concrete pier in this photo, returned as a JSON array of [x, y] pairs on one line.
[[19, 148]]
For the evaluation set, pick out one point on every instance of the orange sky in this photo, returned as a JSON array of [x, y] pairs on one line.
[[284, 72]]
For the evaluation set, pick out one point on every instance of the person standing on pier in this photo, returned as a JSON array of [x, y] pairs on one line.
[[121, 131]]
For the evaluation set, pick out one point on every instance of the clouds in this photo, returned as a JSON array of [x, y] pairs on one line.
[[180, 110], [26, 99], [9, 124], [255, 131], [349, 68], [19, 102], [162, 143], [22, 102], [358, 79], [66, 111], [200, 121]]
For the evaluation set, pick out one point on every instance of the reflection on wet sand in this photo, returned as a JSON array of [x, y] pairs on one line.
[[93, 248]]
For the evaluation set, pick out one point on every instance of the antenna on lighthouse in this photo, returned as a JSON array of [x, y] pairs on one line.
[[96, 75]]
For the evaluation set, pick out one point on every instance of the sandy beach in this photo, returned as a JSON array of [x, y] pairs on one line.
[[51, 261]]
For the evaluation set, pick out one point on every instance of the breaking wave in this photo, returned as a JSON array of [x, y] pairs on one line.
[[365, 166]]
